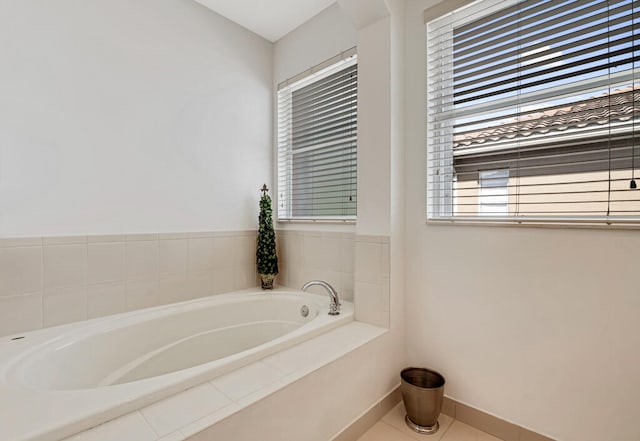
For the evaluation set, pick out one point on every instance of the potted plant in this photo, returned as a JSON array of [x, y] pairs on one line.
[[266, 257]]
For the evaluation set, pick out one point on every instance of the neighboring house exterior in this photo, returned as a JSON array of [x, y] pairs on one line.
[[556, 162]]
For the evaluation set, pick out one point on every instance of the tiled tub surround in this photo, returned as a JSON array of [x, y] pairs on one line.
[[372, 279], [307, 255], [59, 381], [248, 404], [357, 266], [55, 280]]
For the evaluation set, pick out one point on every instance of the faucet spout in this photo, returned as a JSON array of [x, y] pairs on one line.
[[334, 304]]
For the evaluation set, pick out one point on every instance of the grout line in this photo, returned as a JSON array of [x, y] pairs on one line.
[[126, 276], [86, 281], [153, 429], [42, 285], [453, 420], [402, 435]]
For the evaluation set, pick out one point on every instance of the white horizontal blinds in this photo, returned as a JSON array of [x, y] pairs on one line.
[[317, 145], [546, 90]]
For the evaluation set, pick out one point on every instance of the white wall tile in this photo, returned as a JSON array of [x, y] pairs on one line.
[[293, 248], [346, 286], [77, 277], [201, 254], [173, 257], [142, 259], [172, 289], [200, 284], [385, 266], [106, 299], [142, 294], [347, 255], [369, 307], [106, 262], [326, 256], [20, 270], [224, 252], [172, 236], [142, 237], [64, 240], [65, 266], [246, 246], [21, 242], [20, 313], [368, 266], [224, 280], [105, 238], [321, 252], [246, 277], [64, 305]]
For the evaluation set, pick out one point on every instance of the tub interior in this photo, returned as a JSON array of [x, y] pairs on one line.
[[200, 349], [112, 353]]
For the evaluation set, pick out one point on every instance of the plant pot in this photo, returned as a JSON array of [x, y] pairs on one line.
[[266, 280]]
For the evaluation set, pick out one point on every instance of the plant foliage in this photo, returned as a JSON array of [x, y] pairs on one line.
[[266, 257]]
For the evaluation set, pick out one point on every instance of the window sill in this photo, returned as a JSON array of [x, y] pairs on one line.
[[339, 225], [318, 221], [597, 224]]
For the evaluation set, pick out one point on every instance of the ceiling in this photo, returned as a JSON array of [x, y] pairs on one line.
[[271, 19]]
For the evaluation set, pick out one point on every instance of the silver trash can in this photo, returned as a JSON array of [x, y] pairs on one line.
[[422, 393]]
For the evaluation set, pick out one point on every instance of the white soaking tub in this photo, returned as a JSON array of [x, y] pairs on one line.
[[58, 381]]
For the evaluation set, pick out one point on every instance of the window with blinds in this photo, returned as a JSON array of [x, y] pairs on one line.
[[317, 148], [532, 109]]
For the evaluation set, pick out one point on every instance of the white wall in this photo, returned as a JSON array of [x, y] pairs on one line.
[[378, 285], [130, 116], [374, 128], [537, 326], [322, 37]]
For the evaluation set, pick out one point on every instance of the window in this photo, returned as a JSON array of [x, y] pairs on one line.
[[317, 148], [532, 112], [494, 193]]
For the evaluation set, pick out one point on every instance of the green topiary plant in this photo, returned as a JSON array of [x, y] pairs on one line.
[[266, 257]]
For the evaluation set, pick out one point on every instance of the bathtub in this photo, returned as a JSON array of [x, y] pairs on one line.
[[59, 381]]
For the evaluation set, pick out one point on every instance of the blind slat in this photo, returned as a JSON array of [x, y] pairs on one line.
[[532, 110], [317, 153]]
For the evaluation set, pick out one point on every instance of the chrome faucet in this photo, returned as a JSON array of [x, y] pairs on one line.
[[334, 305]]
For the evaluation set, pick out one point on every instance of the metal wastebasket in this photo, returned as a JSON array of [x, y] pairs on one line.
[[422, 393]]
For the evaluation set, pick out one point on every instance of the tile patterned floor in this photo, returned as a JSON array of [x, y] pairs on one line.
[[393, 428]]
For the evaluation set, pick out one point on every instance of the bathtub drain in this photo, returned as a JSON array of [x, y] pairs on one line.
[[304, 311]]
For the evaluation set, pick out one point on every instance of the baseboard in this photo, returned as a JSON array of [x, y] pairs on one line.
[[370, 416], [486, 422]]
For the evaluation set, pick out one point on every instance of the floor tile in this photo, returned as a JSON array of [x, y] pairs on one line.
[[395, 418], [384, 432], [459, 431]]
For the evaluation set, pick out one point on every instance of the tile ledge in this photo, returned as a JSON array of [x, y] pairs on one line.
[[363, 334]]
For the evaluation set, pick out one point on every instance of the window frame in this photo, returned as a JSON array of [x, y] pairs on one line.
[[340, 62], [483, 8]]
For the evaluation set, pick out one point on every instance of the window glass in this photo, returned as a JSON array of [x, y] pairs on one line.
[[317, 145], [544, 92]]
